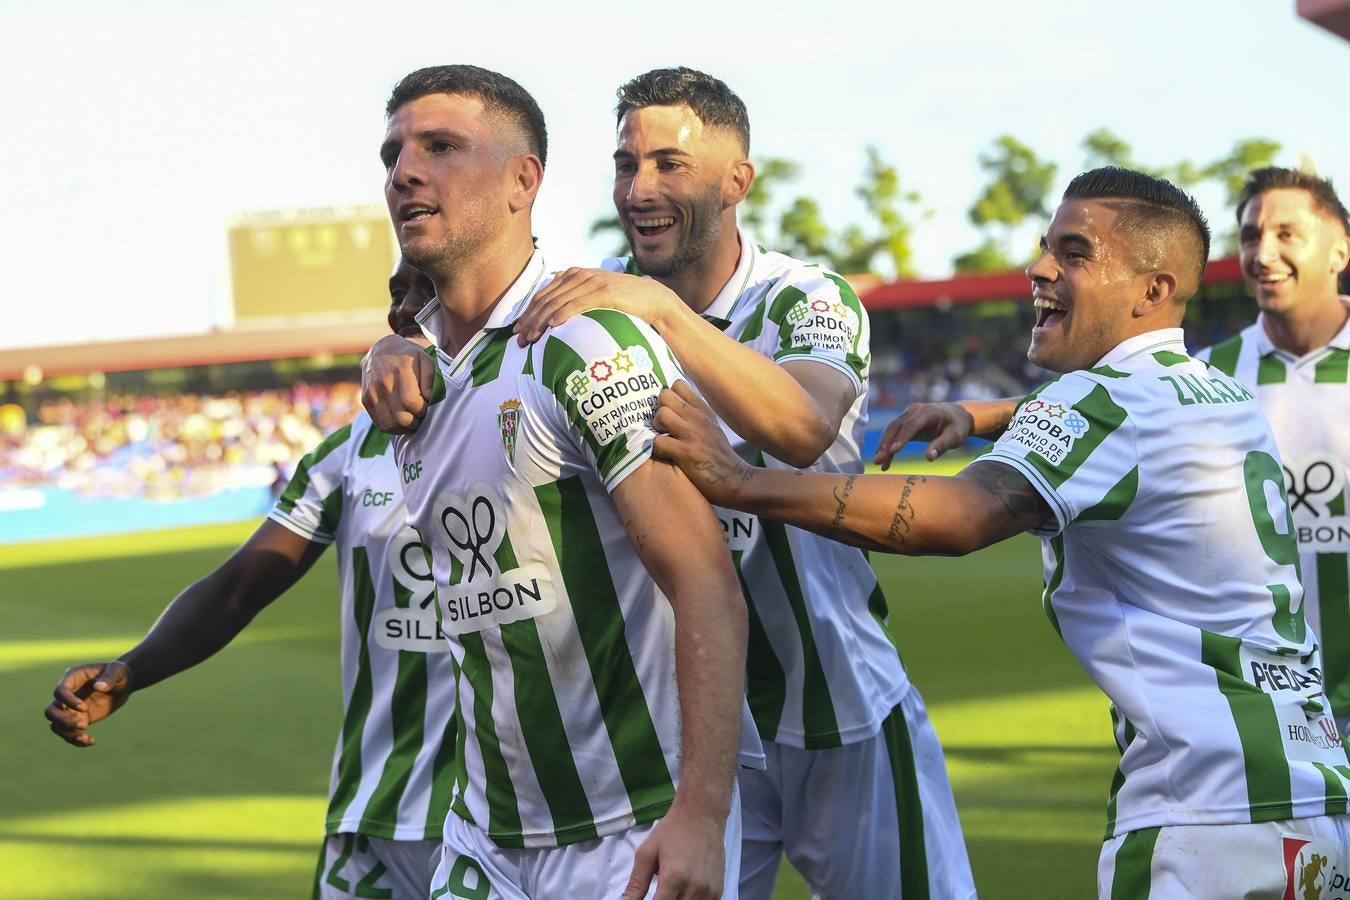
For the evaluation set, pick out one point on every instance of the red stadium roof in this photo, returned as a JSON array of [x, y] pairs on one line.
[[996, 286], [355, 334]]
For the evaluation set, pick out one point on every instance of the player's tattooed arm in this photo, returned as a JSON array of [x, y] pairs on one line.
[[911, 514]]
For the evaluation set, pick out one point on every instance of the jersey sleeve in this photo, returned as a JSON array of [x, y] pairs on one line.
[[311, 505], [605, 370], [818, 317], [1077, 447]]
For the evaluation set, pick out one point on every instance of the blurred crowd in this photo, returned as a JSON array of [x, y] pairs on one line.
[[171, 447], [976, 368]]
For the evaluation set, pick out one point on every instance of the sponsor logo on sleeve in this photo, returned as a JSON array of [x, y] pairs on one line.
[[472, 528], [1048, 429], [616, 392], [821, 324], [1313, 482], [412, 627]]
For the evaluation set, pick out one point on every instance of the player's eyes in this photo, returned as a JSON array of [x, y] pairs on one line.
[[667, 165], [441, 146], [624, 169]]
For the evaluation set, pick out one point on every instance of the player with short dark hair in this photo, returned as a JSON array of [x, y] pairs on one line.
[[1171, 567], [599, 669], [1295, 358], [389, 791]]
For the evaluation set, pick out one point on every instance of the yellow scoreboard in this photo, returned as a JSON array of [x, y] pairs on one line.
[[311, 261]]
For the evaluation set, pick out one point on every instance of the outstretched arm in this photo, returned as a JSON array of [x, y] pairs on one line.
[[792, 412], [671, 525], [201, 620], [911, 514]]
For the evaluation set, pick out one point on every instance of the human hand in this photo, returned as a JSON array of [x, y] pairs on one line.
[[686, 855], [396, 380], [944, 425], [692, 439], [578, 290], [87, 694]]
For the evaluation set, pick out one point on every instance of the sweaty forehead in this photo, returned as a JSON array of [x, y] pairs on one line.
[[1089, 219], [1281, 205], [668, 128]]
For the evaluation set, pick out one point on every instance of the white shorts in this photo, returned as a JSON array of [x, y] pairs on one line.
[[357, 865], [854, 818], [1294, 858], [473, 868]]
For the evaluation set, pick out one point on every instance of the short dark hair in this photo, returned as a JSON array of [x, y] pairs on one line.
[[1169, 214], [497, 93], [1271, 178], [711, 100]]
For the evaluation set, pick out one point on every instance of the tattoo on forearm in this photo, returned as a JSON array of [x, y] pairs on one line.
[[1012, 489], [841, 500], [711, 473], [905, 513]]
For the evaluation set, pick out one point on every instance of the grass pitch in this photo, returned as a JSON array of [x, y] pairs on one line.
[[211, 785]]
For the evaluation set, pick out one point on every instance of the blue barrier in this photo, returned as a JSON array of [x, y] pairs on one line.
[[33, 514]]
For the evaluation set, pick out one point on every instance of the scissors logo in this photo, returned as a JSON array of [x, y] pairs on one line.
[[1313, 478], [470, 529], [411, 565]]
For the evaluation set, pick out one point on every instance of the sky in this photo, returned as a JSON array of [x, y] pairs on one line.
[[135, 132]]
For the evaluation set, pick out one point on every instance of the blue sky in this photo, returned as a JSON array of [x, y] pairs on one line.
[[134, 132]]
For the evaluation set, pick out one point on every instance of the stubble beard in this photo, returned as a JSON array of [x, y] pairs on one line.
[[705, 220]]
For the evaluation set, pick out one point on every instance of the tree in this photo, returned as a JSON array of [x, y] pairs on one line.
[[1018, 190]]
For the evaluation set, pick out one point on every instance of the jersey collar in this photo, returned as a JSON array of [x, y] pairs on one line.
[[725, 302], [508, 308], [1149, 342], [1265, 346]]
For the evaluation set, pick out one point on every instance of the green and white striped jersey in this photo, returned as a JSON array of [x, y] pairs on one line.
[[563, 643], [392, 774], [1307, 400], [1172, 573], [821, 668]]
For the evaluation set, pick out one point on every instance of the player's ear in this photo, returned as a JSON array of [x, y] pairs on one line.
[[1340, 254], [526, 173], [1160, 290], [736, 186]]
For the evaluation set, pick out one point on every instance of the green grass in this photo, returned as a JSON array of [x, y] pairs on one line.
[[212, 784]]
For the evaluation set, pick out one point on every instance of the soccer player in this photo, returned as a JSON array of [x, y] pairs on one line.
[[856, 790], [595, 620], [1295, 357], [1171, 565], [389, 791]]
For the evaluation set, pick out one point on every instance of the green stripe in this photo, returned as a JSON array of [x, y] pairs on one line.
[[443, 777], [1053, 582], [437, 379], [1335, 789], [765, 680], [375, 444], [600, 625], [1334, 368], [755, 325], [1258, 728], [315, 892], [407, 718], [787, 298], [1170, 358], [624, 332], [487, 362], [1103, 416], [1271, 370], [541, 726], [1333, 599], [358, 707], [908, 807], [856, 360], [881, 612], [1337, 505], [1133, 877], [1118, 779], [503, 811], [461, 776], [1117, 501], [819, 725], [1108, 372], [560, 363], [1224, 356], [300, 481]]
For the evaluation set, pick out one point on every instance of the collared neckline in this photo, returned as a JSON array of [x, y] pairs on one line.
[[1265, 346], [725, 301], [1148, 342], [509, 308]]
